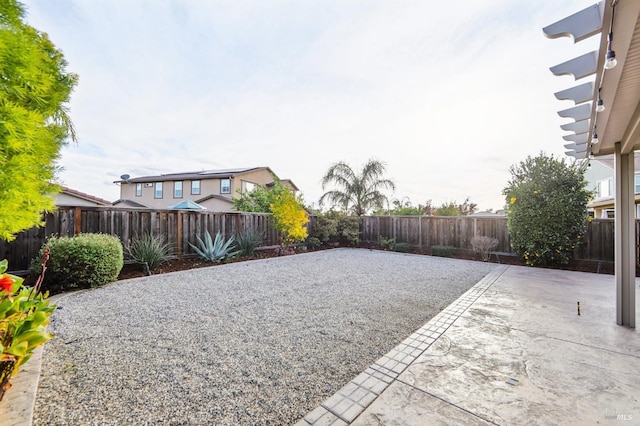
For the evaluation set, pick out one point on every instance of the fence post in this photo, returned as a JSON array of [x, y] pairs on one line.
[[179, 236], [77, 221]]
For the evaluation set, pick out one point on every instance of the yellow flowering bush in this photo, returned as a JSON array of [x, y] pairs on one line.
[[289, 217]]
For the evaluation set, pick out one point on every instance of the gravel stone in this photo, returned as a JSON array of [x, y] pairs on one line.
[[260, 342]]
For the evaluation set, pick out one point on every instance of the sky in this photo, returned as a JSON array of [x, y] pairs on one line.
[[448, 95]]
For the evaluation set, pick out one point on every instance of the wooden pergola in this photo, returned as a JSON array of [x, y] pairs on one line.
[[606, 117]]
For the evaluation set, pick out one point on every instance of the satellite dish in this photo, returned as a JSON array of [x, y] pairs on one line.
[[125, 178]]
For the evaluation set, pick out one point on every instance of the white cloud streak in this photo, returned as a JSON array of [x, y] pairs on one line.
[[449, 97]]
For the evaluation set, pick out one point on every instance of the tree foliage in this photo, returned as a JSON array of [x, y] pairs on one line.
[[34, 90], [547, 210], [404, 207], [259, 200], [452, 208], [356, 190], [290, 217]]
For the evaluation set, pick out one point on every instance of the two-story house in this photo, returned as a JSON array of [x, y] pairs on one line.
[[211, 189], [600, 178]]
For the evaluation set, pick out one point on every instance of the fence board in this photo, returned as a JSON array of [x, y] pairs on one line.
[[181, 227]]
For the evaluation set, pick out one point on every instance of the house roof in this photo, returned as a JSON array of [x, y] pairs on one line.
[[285, 182], [608, 161], [84, 196], [187, 205], [129, 203], [204, 174], [618, 87], [215, 196]]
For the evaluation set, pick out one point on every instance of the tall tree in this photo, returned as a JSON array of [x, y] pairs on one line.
[[34, 90], [357, 190], [547, 210]]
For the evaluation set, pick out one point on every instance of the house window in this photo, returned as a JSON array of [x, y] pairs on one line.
[[158, 192], [248, 186], [177, 189], [138, 190], [637, 191], [195, 187], [604, 188], [225, 186]]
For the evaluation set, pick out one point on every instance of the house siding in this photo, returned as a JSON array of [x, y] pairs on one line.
[[209, 186]]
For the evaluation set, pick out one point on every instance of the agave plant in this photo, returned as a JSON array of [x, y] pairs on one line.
[[215, 250]]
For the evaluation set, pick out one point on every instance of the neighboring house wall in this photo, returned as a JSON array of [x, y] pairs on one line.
[[197, 187], [217, 205], [600, 180], [71, 197]]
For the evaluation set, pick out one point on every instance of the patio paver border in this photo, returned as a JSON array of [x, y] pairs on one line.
[[350, 401]]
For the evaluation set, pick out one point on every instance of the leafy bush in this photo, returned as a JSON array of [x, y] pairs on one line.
[[83, 261], [248, 241], [349, 229], [325, 229], [403, 247], [148, 249], [443, 251], [24, 315], [334, 226], [547, 212], [313, 242], [214, 250], [387, 242], [484, 246]]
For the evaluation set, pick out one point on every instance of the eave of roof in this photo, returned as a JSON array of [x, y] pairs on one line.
[[204, 174], [618, 87], [130, 203], [216, 197], [84, 196]]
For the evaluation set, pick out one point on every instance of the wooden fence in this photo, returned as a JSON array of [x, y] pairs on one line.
[[181, 227], [427, 231], [178, 227]]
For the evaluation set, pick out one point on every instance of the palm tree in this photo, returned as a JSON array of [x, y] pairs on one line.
[[359, 191]]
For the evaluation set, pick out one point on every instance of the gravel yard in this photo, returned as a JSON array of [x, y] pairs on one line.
[[259, 342]]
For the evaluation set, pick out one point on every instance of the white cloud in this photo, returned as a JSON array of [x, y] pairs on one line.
[[449, 97]]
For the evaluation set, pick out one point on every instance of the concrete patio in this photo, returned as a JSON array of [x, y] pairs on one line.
[[512, 350]]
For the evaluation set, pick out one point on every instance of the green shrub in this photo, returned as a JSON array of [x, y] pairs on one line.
[[403, 247], [248, 241], [349, 229], [334, 226], [313, 242], [325, 229], [214, 250], [83, 261], [443, 251], [148, 249], [387, 243], [547, 211]]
